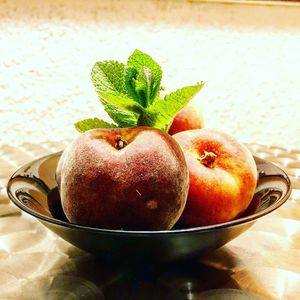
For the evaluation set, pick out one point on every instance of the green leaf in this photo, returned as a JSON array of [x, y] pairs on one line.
[[130, 75], [162, 111], [138, 60], [108, 76], [123, 110], [143, 86], [146, 81], [92, 123], [109, 80], [121, 117], [122, 102]]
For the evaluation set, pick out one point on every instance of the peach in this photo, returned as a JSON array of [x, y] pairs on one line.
[[127, 178], [190, 117], [222, 175]]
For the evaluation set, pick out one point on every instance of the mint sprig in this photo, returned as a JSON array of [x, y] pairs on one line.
[[130, 94]]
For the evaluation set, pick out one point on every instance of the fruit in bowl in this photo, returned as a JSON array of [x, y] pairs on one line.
[[125, 175], [222, 174], [123, 178], [131, 174], [190, 117]]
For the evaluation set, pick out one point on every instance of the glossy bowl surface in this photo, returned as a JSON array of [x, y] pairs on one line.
[[34, 190]]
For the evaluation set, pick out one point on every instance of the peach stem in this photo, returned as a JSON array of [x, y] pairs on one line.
[[208, 159], [120, 143]]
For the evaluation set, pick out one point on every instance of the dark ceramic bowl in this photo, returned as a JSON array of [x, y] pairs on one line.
[[34, 190]]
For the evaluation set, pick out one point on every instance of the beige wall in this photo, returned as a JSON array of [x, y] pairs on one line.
[[249, 55]]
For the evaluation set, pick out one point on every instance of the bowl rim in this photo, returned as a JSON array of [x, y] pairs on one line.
[[235, 222]]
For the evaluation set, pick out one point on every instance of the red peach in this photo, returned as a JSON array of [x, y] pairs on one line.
[[222, 174], [190, 117], [123, 178]]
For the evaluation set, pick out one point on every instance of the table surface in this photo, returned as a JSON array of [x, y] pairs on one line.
[[262, 263]]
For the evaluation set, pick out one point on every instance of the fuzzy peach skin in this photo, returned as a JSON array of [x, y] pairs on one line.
[[190, 117], [223, 177], [128, 178]]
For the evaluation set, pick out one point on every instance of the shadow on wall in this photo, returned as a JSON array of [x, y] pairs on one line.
[[184, 12]]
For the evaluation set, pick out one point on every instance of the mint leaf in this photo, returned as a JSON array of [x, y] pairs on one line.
[[143, 84], [123, 110], [121, 101], [92, 123], [162, 111], [108, 76], [121, 117], [129, 77], [146, 81], [139, 85]]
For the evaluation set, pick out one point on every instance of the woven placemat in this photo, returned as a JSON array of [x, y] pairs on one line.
[[262, 262]]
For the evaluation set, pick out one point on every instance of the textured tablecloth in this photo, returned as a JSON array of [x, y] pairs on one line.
[[263, 262]]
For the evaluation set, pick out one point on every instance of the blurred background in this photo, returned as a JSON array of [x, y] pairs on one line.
[[247, 53]]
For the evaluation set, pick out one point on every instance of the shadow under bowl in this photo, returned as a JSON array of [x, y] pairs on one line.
[[33, 189]]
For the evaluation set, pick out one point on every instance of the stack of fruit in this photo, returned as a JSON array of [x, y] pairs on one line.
[[155, 166]]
